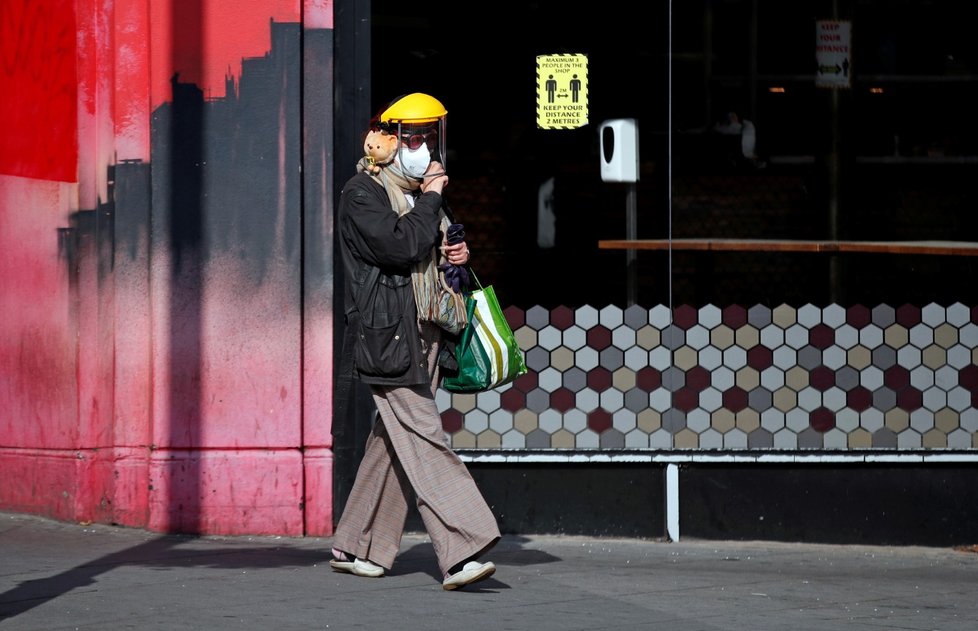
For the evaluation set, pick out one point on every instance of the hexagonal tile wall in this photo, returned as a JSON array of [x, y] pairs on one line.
[[732, 378]]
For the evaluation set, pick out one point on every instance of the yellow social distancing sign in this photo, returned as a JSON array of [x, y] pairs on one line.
[[561, 91]]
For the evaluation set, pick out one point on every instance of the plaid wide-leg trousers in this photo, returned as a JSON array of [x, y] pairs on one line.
[[407, 451]]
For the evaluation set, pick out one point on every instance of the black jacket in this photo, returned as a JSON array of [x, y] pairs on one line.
[[384, 338]]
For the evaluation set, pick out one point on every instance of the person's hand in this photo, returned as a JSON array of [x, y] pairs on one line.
[[457, 254], [435, 179]]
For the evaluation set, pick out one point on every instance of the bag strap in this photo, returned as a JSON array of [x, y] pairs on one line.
[[467, 332]]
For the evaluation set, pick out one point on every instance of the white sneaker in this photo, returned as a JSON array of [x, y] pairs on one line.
[[359, 567], [470, 573]]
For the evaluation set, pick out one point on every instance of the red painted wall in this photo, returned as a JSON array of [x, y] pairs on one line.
[[157, 368]]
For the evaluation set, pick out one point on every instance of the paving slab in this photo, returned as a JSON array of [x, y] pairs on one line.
[[56, 575]]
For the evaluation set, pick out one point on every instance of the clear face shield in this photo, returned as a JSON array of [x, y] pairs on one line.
[[421, 144]]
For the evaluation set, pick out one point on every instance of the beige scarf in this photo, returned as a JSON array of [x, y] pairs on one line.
[[424, 276]]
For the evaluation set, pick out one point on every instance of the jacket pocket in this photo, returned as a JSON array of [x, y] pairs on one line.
[[383, 349]]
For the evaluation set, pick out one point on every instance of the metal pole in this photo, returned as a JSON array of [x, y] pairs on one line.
[[631, 233]]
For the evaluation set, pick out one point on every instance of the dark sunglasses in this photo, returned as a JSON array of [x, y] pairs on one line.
[[413, 141]]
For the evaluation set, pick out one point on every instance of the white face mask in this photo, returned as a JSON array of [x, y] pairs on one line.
[[415, 163]]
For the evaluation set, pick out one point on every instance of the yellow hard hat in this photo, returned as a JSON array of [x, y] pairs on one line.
[[413, 108]]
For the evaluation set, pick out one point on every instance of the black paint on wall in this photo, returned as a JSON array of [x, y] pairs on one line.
[[933, 505], [595, 500]]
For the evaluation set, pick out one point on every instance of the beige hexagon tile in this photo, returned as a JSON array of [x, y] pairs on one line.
[[648, 337], [896, 336], [796, 378], [722, 337], [649, 420], [686, 439], [463, 439], [748, 420], [525, 421], [526, 337], [562, 358], [562, 439], [897, 420], [623, 379], [934, 439], [934, 357], [947, 420], [946, 335], [747, 337], [463, 402], [489, 440], [748, 378], [685, 357], [859, 438], [859, 357], [784, 316], [785, 399], [723, 420]]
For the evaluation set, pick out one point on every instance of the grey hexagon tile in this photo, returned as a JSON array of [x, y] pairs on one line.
[[611, 316], [872, 420], [909, 439], [549, 338], [759, 316], [611, 358], [922, 336], [611, 399], [537, 317], [785, 357], [673, 337], [537, 359], [796, 336], [710, 358], [958, 314], [636, 400], [908, 356], [537, 400], [588, 440], [884, 357], [575, 379], [660, 316], [883, 316], [871, 378], [587, 358], [673, 379], [538, 439], [660, 358], [884, 399], [513, 440], [636, 358], [809, 357], [785, 439], [710, 316], [636, 317], [549, 379], [933, 315], [809, 316], [846, 336], [623, 338], [636, 439], [624, 420], [834, 316], [921, 377], [586, 317], [772, 336], [574, 338], [834, 357]]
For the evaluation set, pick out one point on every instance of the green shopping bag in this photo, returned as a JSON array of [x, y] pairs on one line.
[[487, 353]]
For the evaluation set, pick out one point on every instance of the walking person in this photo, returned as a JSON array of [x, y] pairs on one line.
[[393, 233]]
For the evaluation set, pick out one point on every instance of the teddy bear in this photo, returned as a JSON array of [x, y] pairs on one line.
[[379, 147]]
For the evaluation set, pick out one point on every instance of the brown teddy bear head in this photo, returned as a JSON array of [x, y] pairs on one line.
[[379, 147]]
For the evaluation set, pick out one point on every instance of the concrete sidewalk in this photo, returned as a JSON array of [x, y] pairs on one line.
[[65, 576]]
